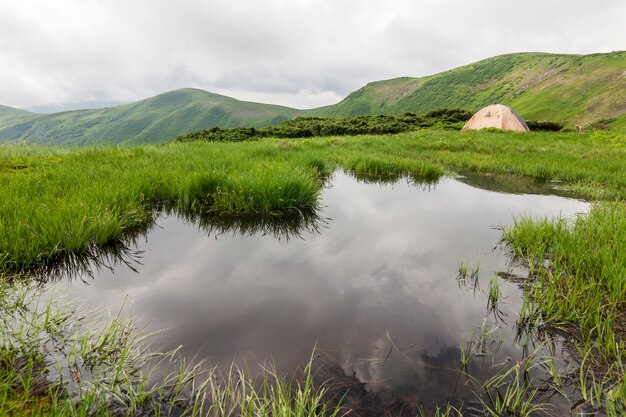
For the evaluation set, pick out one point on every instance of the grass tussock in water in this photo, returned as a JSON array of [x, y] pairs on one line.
[[71, 199], [578, 272], [392, 170], [52, 363]]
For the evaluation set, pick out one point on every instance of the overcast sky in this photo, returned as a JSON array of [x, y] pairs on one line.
[[300, 53]]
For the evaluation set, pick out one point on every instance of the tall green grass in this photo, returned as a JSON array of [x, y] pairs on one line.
[[592, 165], [578, 286], [67, 200]]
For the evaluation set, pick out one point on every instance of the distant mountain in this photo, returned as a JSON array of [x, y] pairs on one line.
[[573, 89], [156, 119], [10, 115]]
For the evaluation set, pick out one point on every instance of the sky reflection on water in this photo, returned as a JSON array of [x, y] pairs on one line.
[[379, 268]]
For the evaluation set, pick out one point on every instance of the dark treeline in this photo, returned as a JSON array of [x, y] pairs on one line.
[[544, 126], [307, 127]]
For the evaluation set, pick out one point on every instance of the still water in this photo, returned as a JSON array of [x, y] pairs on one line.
[[369, 281]]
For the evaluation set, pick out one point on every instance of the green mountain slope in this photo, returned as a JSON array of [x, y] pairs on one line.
[[10, 115], [573, 89], [156, 119]]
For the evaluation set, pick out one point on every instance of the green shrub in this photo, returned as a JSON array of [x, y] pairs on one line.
[[308, 127], [545, 126]]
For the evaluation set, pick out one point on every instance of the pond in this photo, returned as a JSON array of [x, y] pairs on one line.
[[369, 282]]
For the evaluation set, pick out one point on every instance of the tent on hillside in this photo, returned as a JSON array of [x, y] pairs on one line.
[[498, 116]]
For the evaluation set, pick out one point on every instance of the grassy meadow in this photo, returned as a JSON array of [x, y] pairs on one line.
[[63, 200], [60, 202]]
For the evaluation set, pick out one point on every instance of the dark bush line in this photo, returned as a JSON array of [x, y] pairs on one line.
[[306, 127], [545, 126]]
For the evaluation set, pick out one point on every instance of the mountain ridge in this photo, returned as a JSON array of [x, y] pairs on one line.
[[571, 89], [8, 114], [530, 82], [154, 119]]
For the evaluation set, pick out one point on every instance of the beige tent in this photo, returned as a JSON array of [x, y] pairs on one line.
[[498, 116]]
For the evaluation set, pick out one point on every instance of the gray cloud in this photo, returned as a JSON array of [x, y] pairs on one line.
[[301, 53]]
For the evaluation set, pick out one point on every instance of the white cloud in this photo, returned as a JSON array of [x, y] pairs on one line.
[[301, 53]]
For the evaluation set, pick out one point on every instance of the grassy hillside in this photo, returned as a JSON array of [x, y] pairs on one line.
[[573, 89], [156, 119], [10, 115], [617, 124], [588, 90]]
